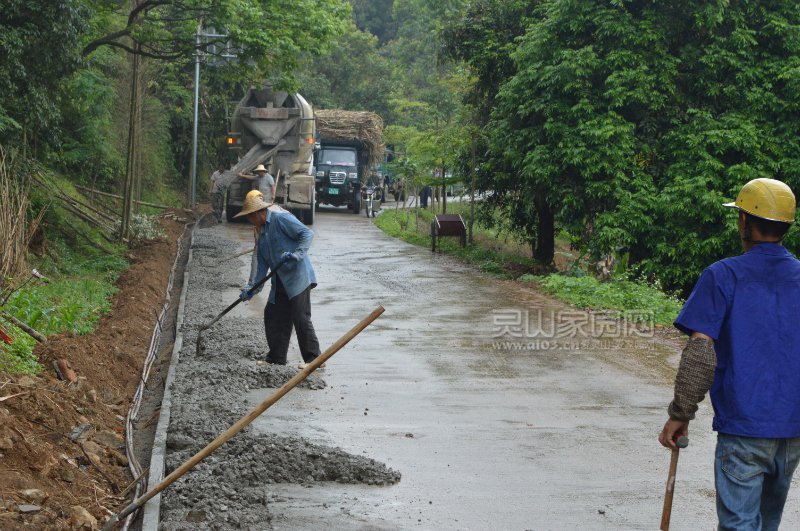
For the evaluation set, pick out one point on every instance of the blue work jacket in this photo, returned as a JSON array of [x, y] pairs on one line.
[[750, 306], [285, 233]]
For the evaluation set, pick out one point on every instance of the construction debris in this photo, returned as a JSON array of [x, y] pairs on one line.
[[64, 370]]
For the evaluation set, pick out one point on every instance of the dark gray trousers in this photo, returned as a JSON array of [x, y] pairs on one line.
[[283, 316], [217, 200]]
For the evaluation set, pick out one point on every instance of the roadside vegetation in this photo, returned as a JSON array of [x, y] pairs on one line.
[[64, 280], [500, 255], [96, 116], [611, 131]]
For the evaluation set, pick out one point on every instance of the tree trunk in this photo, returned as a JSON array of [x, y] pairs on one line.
[[130, 167], [546, 235], [472, 179], [137, 155], [444, 191]]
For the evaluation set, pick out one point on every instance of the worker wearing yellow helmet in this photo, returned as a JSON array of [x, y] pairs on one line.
[[744, 347]]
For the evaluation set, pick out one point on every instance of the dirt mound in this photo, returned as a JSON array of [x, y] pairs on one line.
[[61, 445]]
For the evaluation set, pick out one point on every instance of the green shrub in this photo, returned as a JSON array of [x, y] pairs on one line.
[[588, 292], [78, 294]]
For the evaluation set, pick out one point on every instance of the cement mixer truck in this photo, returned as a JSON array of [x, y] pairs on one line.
[[273, 128]]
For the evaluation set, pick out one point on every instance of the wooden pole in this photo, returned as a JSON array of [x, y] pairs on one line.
[[115, 196], [247, 419], [666, 512], [25, 328]]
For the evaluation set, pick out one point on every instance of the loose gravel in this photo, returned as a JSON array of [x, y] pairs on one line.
[[231, 488]]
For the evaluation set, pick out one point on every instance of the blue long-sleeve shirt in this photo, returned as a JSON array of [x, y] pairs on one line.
[[285, 233]]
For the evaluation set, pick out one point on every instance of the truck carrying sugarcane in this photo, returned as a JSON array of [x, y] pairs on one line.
[[349, 144]]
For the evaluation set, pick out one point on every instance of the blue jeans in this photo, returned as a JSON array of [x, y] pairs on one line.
[[752, 477]]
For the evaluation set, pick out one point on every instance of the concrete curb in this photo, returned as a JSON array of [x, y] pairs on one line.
[[152, 509]]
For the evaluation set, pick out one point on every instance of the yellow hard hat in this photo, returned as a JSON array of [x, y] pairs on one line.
[[767, 199], [253, 202]]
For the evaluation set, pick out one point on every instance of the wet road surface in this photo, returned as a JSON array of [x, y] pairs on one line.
[[491, 425]]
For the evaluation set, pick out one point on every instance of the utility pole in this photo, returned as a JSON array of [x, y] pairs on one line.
[[198, 55], [193, 190]]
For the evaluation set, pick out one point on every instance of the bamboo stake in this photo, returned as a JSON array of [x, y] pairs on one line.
[[115, 196], [66, 198], [25, 328], [246, 420]]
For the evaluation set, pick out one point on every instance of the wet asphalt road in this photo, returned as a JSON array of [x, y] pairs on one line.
[[491, 427]]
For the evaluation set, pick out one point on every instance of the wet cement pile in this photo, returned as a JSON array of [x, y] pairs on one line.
[[230, 488]]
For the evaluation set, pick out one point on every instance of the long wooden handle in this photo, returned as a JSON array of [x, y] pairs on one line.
[[666, 512], [237, 301], [247, 419]]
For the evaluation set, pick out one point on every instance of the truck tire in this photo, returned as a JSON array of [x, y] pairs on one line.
[[308, 216], [231, 211]]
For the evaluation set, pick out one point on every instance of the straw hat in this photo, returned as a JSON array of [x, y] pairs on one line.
[[260, 167], [252, 203]]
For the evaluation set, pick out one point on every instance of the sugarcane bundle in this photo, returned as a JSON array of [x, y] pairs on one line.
[[363, 126]]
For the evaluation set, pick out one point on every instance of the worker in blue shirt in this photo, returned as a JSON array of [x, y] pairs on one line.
[[744, 346], [284, 241]]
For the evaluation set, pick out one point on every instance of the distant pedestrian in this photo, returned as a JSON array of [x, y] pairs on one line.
[[217, 192], [264, 182], [284, 241], [744, 346], [425, 195]]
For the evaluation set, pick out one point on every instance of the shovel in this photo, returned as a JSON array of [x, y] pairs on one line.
[[250, 292], [666, 513]]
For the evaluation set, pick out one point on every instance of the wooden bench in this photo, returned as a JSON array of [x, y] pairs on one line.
[[447, 225]]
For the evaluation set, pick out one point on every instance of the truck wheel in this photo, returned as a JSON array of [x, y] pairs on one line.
[[308, 216], [231, 211]]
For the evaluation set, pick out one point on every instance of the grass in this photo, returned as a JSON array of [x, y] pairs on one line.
[[71, 302], [622, 295], [507, 259], [490, 254], [82, 269]]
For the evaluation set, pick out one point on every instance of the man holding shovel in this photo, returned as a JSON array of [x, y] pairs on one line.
[[284, 241], [744, 346]]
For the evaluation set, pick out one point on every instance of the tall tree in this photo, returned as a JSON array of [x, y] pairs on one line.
[[375, 16], [271, 37], [637, 118], [40, 45], [483, 37], [352, 75]]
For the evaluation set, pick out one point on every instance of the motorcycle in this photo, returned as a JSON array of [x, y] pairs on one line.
[[371, 199]]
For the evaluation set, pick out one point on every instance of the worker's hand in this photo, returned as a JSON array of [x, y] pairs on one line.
[[672, 430], [245, 294], [289, 257]]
